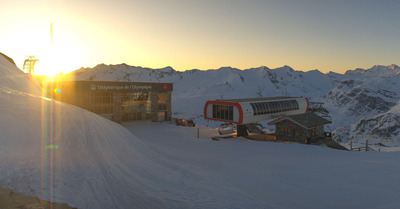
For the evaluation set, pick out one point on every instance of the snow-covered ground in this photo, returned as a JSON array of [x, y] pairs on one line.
[[63, 153], [237, 173]]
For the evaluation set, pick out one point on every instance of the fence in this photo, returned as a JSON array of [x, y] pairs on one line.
[[363, 148]]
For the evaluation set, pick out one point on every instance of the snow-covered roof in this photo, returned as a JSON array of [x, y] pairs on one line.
[[306, 120]]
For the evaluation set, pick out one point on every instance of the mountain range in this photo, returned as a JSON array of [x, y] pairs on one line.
[[362, 103]]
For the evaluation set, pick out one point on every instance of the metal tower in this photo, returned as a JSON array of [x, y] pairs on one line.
[[29, 65]]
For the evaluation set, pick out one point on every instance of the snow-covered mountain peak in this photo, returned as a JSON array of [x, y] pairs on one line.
[[315, 72], [387, 69], [227, 69], [356, 71], [264, 68], [167, 69], [257, 69], [375, 72], [285, 68], [393, 66]]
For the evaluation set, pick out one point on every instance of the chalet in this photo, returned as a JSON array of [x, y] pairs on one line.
[[303, 128]]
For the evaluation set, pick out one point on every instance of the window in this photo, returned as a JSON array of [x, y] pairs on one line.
[[136, 105], [280, 130], [223, 112], [215, 111], [268, 107], [102, 103], [261, 108], [230, 110], [274, 107], [286, 131], [258, 108], [162, 101], [162, 97], [280, 108], [300, 132], [253, 106], [265, 108]]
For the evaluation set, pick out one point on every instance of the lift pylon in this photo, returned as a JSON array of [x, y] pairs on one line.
[[29, 65]]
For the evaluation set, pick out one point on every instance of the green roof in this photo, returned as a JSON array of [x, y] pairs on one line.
[[305, 120]]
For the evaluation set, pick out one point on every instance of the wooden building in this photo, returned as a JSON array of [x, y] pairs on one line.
[[302, 128], [117, 101]]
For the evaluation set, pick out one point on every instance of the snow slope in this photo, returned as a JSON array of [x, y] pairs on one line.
[[62, 153], [14, 79], [273, 175]]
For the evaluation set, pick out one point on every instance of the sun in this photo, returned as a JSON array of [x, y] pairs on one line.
[[59, 55]]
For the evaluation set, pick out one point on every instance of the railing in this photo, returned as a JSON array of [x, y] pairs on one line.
[[363, 148]]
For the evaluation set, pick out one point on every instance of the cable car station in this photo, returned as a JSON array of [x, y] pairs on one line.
[[117, 101], [291, 117]]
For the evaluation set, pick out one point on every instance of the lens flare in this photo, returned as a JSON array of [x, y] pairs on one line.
[[52, 146], [57, 91]]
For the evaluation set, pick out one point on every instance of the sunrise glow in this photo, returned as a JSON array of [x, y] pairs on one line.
[[242, 35], [56, 53]]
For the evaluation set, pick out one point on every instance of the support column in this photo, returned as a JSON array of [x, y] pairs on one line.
[[117, 107], [154, 106], [168, 114]]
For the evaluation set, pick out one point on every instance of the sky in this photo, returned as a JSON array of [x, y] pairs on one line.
[[205, 34]]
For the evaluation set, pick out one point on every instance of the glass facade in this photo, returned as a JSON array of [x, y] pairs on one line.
[[261, 108], [223, 112], [116, 101], [136, 106], [162, 101], [102, 103]]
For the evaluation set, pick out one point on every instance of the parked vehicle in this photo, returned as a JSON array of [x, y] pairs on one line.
[[184, 122], [251, 128], [226, 128]]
